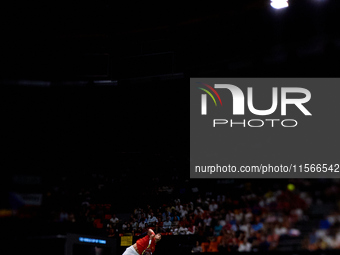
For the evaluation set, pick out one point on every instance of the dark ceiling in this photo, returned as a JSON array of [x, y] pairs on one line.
[[110, 40], [157, 48]]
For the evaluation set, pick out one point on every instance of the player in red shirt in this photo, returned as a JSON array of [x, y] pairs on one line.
[[145, 245]]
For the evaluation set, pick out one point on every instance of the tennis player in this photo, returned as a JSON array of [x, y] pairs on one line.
[[145, 245]]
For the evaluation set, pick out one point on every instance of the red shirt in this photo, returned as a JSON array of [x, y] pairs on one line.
[[143, 243]]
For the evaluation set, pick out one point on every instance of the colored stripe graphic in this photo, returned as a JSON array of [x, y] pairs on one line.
[[209, 94], [213, 90]]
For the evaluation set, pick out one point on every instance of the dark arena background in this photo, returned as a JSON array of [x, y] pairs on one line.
[[95, 127]]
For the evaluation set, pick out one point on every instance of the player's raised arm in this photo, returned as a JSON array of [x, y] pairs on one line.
[[151, 234]]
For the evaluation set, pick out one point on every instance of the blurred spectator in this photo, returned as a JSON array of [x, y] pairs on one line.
[[217, 230], [207, 220], [182, 230], [143, 218], [71, 217], [175, 219], [131, 218], [141, 225], [124, 226], [213, 206], [159, 225], [152, 220], [128, 228], [198, 210], [244, 245], [145, 229], [191, 230], [134, 224], [197, 248], [280, 229], [184, 211], [174, 230], [165, 214], [114, 220], [63, 216], [167, 225]]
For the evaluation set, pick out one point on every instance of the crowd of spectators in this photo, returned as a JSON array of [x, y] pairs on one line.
[[222, 215], [327, 234], [251, 222]]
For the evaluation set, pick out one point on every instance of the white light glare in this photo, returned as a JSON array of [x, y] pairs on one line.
[[279, 4]]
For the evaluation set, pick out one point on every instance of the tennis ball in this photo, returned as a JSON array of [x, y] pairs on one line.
[[290, 187]]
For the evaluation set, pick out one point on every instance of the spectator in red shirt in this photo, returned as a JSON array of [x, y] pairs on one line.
[[184, 222], [191, 221]]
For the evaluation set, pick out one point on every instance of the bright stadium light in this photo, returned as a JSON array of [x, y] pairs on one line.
[[279, 4]]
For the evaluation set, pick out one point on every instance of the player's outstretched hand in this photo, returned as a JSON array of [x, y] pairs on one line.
[[151, 233]]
